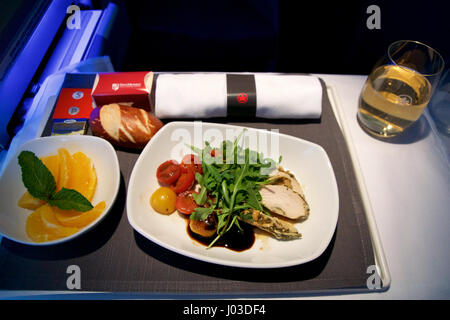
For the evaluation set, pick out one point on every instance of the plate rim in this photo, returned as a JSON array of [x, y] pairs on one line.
[[93, 223], [219, 261]]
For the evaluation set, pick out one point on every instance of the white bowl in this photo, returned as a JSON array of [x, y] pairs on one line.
[[104, 158], [308, 161]]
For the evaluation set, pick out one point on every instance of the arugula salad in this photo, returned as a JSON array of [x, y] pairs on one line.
[[232, 176]]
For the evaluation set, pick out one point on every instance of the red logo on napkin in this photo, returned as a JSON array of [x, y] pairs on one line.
[[242, 97]]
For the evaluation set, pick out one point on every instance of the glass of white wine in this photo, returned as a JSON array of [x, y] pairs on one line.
[[399, 87]]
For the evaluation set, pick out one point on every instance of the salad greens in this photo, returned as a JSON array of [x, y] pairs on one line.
[[232, 177]]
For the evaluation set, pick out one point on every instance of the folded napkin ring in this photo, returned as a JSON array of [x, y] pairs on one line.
[[241, 95]]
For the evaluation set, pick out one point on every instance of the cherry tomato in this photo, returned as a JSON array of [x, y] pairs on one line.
[[216, 153], [185, 181], [193, 161], [163, 200], [185, 202], [168, 172]]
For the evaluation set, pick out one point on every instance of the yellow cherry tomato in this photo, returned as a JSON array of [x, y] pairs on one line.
[[163, 200]]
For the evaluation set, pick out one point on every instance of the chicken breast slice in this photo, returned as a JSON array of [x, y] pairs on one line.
[[284, 201], [281, 230], [284, 177]]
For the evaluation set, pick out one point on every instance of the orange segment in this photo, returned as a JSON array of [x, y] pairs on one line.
[[35, 228], [83, 176], [72, 218], [51, 224], [65, 167], [90, 190], [52, 163], [40, 229], [27, 201]]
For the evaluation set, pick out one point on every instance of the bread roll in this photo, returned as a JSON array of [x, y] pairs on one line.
[[123, 125]]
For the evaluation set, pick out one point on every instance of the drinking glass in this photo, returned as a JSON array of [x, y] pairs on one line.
[[399, 88]]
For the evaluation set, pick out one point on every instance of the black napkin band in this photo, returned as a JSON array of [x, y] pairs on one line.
[[241, 95]]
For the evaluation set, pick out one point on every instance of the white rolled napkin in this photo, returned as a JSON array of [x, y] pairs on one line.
[[204, 95]]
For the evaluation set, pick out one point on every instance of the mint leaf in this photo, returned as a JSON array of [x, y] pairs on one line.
[[68, 199], [36, 177]]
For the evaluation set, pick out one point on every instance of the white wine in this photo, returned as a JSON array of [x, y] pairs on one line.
[[392, 99]]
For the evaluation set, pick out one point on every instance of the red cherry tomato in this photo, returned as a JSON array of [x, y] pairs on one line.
[[168, 172], [191, 160], [216, 153], [185, 203], [185, 181]]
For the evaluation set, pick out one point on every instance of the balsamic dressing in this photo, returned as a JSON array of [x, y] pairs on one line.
[[235, 239]]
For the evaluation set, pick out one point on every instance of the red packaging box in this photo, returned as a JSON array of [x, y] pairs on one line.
[[73, 103], [130, 88], [72, 111]]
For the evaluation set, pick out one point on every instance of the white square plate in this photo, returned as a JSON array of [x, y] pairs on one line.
[[104, 158], [307, 161]]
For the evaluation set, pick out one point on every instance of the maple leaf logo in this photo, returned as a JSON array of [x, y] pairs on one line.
[[242, 97]]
